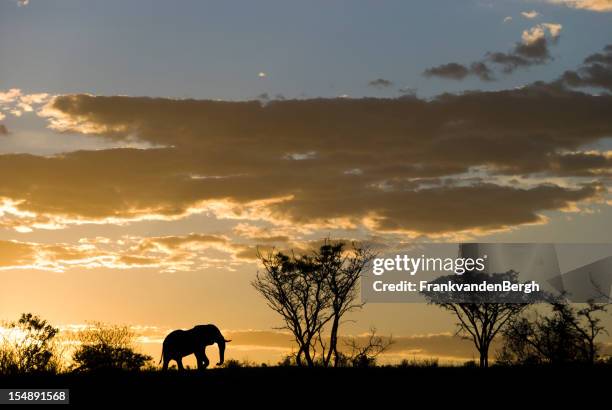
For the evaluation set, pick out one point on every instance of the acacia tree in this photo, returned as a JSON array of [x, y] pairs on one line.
[[481, 318], [311, 291], [297, 292], [341, 269]]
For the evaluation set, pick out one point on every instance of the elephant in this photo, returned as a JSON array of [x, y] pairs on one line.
[[181, 343]]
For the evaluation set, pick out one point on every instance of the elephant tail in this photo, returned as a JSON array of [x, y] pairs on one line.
[[161, 358]]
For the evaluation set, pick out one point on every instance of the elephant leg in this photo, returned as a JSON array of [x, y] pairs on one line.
[[200, 360], [205, 359], [179, 363], [165, 366]]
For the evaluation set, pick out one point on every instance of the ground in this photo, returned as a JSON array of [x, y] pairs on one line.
[[294, 387]]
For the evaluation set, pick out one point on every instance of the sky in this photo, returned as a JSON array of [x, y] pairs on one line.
[[147, 148]]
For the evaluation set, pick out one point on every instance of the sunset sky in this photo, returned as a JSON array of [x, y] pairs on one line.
[[148, 147]]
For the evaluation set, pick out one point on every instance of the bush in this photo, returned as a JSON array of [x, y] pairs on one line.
[[100, 357], [566, 336], [235, 364], [29, 346], [433, 362], [108, 347], [470, 364], [232, 364], [287, 361]]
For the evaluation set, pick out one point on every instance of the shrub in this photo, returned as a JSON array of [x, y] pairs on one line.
[[108, 347], [29, 346]]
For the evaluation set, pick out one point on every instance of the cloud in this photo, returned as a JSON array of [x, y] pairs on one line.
[[533, 49], [260, 234], [507, 19], [169, 253], [453, 71], [15, 253], [456, 71], [482, 71], [3, 129], [165, 254], [592, 5], [22, 3], [337, 163], [380, 83], [10, 96], [415, 177], [16, 103], [596, 71], [554, 29], [530, 14]]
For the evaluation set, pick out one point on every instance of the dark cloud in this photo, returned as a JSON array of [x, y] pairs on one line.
[[582, 164], [523, 55], [596, 71], [390, 164], [453, 71], [456, 71], [380, 83], [482, 71], [532, 50]]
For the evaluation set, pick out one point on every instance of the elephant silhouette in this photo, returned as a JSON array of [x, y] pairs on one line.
[[181, 343]]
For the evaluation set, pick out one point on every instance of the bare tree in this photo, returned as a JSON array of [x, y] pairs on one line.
[[341, 269], [365, 354], [296, 290], [312, 291]]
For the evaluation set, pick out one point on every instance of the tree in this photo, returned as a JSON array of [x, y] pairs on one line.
[[567, 335], [107, 347], [310, 291], [29, 346], [588, 325], [481, 316], [295, 290], [341, 272]]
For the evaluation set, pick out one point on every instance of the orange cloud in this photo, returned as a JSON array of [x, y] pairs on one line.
[[592, 5]]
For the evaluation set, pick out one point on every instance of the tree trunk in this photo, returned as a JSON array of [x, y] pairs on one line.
[[309, 360], [298, 357], [484, 356], [333, 342]]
